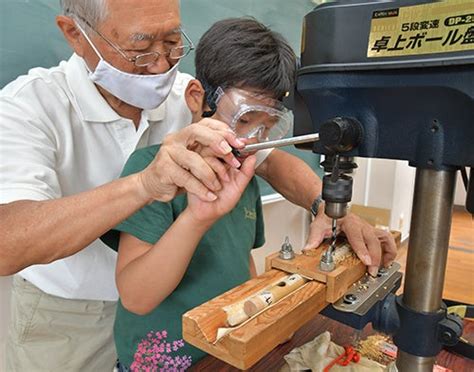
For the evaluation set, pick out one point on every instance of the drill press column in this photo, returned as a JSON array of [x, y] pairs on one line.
[[427, 255]]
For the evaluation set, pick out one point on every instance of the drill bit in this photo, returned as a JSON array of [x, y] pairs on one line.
[[332, 247], [327, 260]]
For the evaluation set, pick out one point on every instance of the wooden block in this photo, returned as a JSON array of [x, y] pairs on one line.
[[210, 316], [307, 264], [302, 264], [263, 333], [338, 281], [246, 345]]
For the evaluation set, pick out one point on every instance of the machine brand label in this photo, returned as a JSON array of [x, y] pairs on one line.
[[442, 27], [386, 13]]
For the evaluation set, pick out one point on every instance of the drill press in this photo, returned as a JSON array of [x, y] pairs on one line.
[[404, 70]]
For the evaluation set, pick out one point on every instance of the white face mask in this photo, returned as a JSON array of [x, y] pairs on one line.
[[142, 91]]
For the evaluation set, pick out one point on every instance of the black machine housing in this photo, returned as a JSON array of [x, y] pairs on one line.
[[414, 107]]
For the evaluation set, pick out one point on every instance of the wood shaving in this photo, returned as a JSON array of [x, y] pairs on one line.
[[310, 252], [372, 348], [343, 253]]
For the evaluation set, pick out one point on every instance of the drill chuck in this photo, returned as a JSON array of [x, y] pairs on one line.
[[336, 194]]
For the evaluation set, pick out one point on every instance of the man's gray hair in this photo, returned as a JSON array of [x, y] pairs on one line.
[[94, 11]]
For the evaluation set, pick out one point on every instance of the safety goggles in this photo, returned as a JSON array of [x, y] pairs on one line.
[[252, 115]]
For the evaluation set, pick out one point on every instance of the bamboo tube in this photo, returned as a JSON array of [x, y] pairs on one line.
[[272, 294]]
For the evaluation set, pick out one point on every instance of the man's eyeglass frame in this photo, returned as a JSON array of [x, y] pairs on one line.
[[185, 49]]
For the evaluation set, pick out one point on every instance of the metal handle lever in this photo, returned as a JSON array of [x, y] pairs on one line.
[[278, 143]]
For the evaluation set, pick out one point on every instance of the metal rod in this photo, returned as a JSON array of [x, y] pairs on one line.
[[280, 143], [408, 362], [427, 251]]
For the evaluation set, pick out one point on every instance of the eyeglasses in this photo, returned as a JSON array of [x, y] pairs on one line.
[[146, 59]]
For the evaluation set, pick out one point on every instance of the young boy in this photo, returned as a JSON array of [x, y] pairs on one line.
[[175, 256]]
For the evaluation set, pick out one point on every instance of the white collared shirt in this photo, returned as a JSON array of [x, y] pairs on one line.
[[59, 137]]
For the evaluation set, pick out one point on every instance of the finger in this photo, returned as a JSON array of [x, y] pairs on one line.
[[248, 166], [374, 248], [226, 131], [356, 240], [196, 165], [185, 180], [230, 159], [245, 173], [316, 236], [212, 135], [319, 229], [389, 247], [218, 167], [213, 143], [215, 124]]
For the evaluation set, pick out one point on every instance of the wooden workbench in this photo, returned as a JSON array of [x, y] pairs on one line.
[[341, 334]]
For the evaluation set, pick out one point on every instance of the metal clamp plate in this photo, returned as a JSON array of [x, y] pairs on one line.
[[364, 293]]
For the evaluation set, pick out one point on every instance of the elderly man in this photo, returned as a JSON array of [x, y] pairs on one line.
[[66, 133]]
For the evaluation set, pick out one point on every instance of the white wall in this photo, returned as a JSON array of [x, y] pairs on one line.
[[460, 193], [402, 200], [281, 219], [386, 184], [390, 184]]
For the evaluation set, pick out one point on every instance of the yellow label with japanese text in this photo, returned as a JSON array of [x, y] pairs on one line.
[[441, 27]]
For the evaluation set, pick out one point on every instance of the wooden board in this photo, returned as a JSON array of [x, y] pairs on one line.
[[307, 264], [246, 345], [338, 281]]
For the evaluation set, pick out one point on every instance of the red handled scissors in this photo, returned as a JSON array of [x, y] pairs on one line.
[[349, 355]]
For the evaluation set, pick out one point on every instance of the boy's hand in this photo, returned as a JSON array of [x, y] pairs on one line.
[[233, 185]]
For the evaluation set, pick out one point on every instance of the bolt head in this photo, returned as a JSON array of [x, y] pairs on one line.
[[327, 266], [447, 336], [287, 255]]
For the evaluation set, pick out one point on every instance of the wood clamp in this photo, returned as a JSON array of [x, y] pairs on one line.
[[246, 344]]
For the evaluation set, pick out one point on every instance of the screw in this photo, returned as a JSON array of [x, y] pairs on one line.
[[350, 299], [286, 251]]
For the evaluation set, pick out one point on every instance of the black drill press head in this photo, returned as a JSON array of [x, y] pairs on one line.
[[411, 87]]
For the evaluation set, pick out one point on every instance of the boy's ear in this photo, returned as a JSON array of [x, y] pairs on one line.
[[194, 96]]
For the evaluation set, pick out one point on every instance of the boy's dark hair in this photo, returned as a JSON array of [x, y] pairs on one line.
[[242, 52]]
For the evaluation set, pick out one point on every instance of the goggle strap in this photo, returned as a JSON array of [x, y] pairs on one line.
[[208, 114], [213, 95]]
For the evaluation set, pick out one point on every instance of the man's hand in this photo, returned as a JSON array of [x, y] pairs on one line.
[[190, 160], [227, 197], [374, 247]]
